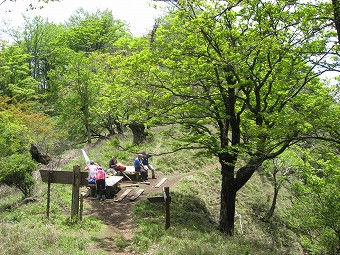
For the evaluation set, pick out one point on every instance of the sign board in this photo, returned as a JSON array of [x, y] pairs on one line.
[[63, 177], [76, 178]]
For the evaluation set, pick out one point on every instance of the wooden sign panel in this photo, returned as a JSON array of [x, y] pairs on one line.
[[63, 177]]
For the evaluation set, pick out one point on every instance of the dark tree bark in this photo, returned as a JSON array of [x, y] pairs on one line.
[[119, 127], [110, 126], [336, 12], [228, 198], [273, 206], [270, 213], [138, 131], [38, 156]]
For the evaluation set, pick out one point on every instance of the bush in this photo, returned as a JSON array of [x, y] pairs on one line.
[[16, 170]]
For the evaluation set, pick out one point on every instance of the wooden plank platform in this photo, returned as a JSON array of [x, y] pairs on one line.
[[131, 185], [161, 182], [146, 183], [122, 196], [135, 196]]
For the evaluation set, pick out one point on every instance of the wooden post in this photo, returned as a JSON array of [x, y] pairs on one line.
[[166, 199], [81, 207], [167, 206], [75, 191], [48, 194], [76, 178]]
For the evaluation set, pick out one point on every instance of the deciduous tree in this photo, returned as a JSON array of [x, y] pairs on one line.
[[243, 80]]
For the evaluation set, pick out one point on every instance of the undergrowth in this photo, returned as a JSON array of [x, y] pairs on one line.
[[194, 219], [194, 212]]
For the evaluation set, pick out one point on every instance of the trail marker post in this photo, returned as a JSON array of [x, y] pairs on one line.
[[76, 178], [166, 199]]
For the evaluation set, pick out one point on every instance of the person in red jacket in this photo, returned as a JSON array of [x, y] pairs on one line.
[[100, 183]]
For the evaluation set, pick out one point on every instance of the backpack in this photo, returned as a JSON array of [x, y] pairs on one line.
[[120, 167]]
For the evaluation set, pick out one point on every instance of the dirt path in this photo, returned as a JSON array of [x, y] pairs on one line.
[[118, 215]]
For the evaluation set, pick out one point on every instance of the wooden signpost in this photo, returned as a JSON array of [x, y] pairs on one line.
[[76, 178], [166, 199]]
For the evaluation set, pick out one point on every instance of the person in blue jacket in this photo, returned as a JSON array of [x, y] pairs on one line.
[[137, 163]]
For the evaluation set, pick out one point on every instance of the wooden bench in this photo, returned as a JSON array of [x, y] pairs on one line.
[[130, 173]]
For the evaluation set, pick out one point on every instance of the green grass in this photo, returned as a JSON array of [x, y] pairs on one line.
[[9, 197], [194, 212], [194, 218], [182, 161], [26, 229]]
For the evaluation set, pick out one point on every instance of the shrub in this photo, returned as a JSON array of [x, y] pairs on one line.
[[16, 170]]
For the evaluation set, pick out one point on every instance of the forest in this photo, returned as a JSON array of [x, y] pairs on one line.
[[241, 81]]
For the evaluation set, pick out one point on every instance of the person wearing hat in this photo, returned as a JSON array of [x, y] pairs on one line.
[[92, 168], [147, 165], [137, 163]]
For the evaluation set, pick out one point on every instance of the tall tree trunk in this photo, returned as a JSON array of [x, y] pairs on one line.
[[138, 131], [336, 13], [86, 117], [119, 127], [87, 125], [110, 125], [228, 198]]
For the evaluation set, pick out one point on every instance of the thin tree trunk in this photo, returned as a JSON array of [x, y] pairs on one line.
[[87, 126], [272, 208], [270, 213]]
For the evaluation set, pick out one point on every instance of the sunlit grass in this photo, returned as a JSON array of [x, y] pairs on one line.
[[194, 219], [194, 212]]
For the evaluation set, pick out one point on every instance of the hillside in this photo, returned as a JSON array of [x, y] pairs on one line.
[[138, 227]]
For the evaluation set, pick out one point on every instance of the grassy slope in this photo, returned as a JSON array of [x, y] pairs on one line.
[[194, 213]]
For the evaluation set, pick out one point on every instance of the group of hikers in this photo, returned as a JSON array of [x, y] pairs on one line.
[[97, 174]]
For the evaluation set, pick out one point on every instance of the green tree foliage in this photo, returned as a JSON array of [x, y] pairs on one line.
[[316, 209], [137, 101], [15, 162], [90, 32], [242, 79], [14, 138], [35, 39], [15, 79], [81, 72]]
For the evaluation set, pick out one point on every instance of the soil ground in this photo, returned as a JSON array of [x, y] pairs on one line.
[[118, 215]]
